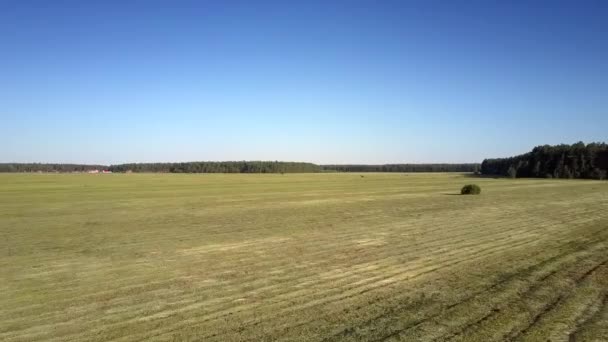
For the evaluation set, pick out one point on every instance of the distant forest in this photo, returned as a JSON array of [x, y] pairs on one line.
[[238, 167], [560, 161], [219, 167], [190, 167], [403, 168], [38, 167]]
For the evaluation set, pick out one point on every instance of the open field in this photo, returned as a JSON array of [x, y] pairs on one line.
[[301, 257]]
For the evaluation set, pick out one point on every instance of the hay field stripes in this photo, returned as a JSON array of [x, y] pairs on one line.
[[323, 257], [441, 243]]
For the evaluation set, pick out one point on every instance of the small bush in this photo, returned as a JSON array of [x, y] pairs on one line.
[[470, 189]]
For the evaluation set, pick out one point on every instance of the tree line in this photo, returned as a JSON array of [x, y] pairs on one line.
[[467, 167], [40, 167], [237, 167], [189, 167], [560, 161], [219, 167]]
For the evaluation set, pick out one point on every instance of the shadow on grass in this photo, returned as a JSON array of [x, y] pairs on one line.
[[452, 194]]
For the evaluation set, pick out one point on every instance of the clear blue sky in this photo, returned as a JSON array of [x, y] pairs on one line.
[[319, 81]]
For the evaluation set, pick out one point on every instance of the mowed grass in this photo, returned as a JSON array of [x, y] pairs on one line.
[[301, 257]]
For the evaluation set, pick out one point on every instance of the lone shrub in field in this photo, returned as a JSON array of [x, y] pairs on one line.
[[470, 189]]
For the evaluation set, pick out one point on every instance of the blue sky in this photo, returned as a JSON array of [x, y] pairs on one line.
[[319, 81]]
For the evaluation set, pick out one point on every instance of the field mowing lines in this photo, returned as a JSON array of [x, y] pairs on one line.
[[223, 247], [393, 280], [434, 328], [591, 312], [128, 288], [200, 304], [137, 281], [515, 316], [146, 238], [344, 293], [592, 295], [594, 325], [145, 241], [495, 315], [135, 313], [391, 313], [556, 318], [437, 242], [352, 235]]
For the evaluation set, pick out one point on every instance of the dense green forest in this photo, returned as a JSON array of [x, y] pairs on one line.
[[219, 167], [561, 161], [190, 167], [238, 167], [404, 168], [38, 167]]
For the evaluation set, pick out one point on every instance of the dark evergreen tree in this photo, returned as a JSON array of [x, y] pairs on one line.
[[561, 161]]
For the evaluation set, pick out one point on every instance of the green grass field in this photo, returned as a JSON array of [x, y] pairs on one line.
[[301, 257]]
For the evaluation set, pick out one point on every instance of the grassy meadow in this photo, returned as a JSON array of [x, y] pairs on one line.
[[301, 257]]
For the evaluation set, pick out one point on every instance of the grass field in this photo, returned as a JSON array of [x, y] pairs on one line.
[[301, 257]]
